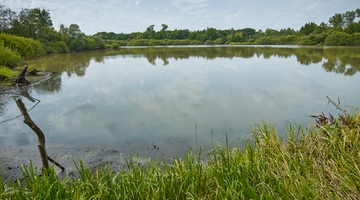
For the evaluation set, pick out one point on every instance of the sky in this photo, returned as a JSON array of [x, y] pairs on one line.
[[126, 16]]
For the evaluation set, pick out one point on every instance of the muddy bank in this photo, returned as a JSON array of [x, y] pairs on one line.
[[93, 156]]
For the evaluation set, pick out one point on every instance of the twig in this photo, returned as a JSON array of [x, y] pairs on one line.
[[56, 163], [38, 101], [336, 105]]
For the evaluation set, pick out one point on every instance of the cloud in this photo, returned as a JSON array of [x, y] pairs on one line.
[[137, 3], [190, 5]]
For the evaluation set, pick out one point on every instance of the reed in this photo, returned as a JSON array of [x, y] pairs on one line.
[[321, 161]]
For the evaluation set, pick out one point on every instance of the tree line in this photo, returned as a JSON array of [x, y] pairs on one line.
[[341, 29]]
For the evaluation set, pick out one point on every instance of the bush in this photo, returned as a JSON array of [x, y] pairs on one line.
[[9, 57], [269, 40], [56, 47], [26, 47], [304, 40], [209, 42], [355, 39], [195, 42], [338, 38], [115, 45], [289, 39]]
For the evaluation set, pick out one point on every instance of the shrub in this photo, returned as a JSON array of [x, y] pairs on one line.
[[9, 57], [304, 40], [115, 45], [338, 38], [195, 42], [56, 47], [270, 40], [26, 47], [209, 42], [289, 39]]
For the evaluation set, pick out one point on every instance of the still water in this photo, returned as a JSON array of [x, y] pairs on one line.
[[169, 96]]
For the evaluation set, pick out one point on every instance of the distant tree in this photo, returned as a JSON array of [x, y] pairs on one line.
[[322, 28], [149, 33], [357, 12], [211, 34], [271, 32], [349, 17], [248, 32], [286, 31], [7, 17], [353, 28], [163, 33], [31, 22], [74, 31], [308, 28], [337, 21]]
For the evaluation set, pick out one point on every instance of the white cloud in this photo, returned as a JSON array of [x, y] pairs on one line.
[[135, 15]]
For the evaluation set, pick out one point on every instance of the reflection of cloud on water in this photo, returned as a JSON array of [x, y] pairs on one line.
[[137, 100], [263, 97]]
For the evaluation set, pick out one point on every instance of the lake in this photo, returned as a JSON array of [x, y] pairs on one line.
[[171, 98]]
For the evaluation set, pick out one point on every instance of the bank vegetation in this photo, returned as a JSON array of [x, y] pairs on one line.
[[321, 161]]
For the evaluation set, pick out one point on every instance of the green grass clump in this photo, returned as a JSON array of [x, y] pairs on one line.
[[320, 162]]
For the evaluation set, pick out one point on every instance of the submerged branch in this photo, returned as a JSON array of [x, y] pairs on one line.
[[337, 106]]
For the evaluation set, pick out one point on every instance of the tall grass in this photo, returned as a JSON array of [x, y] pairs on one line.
[[321, 161]]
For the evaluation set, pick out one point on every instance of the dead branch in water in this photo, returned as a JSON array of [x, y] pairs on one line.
[[20, 80], [41, 137]]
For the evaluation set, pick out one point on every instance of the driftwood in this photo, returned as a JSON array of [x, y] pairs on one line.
[[41, 137], [21, 80]]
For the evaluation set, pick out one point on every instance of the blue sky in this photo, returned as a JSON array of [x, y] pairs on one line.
[[125, 16]]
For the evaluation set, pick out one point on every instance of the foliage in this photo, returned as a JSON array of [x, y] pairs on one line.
[[115, 45], [26, 47], [6, 72], [338, 38], [8, 57], [56, 47], [319, 162]]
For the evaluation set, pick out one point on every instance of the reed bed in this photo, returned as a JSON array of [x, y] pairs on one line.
[[321, 161]]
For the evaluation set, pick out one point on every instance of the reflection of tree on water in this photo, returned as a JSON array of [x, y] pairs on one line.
[[52, 85], [342, 60], [3, 102]]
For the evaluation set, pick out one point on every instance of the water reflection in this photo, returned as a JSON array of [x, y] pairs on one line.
[[342, 60], [160, 93]]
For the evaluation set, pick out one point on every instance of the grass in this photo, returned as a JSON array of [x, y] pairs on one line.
[[321, 161], [8, 73]]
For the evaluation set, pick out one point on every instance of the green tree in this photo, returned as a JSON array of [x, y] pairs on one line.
[[308, 28], [163, 30], [248, 33], [337, 21], [349, 17], [271, 32], [31, 22], [322, 28], [7, 16], [211, 34], [149, 33]]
